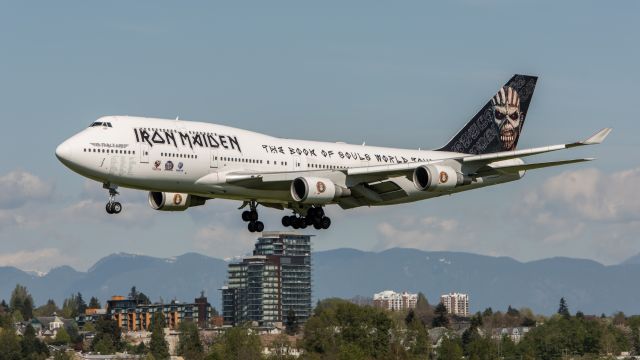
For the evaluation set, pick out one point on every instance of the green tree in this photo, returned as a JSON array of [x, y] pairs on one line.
[[364, 327], [21, 302], [417, 338], [563, 308], [62, 337], [61, 355], [32, 347], [140, 297], [158, 346], [450, 349], [70, 306], [108, 336], [140, 349], [9, 345], [6, 321], [237, 343], [47, 309], [635, 339], [81, 304], [189, 345], [4, 308], [441, 318], [423, 310], [94, 303], [507, 348], [292, 322], [104, 346], [411, 315]]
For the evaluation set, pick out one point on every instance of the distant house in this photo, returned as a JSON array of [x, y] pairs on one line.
[[44, 326], [514, 333]]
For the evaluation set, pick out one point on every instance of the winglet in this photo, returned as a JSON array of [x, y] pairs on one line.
[[598, 137], [594, 139]]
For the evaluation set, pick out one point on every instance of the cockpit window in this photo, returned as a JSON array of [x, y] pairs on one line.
[[100, 123]]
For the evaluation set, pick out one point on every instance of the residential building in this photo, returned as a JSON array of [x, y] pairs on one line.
[[456, 303], [45, 326], [132, 316], [514, 333], [392, 300], [276, 279]]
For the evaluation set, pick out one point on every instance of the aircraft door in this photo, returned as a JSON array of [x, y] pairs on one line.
[[144, 153], [213, 160], [299, 163]]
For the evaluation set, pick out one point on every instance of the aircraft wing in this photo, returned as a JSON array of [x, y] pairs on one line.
[[379, 174], [596, 138]]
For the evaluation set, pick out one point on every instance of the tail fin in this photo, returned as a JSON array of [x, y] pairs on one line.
[[498, 125]]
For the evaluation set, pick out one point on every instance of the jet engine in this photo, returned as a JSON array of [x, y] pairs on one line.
[[313, 190], [165, 201], [438, 177]]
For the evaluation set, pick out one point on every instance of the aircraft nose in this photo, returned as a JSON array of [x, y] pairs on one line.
[[63, 151]]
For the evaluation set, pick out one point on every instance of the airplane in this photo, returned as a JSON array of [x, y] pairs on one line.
[[183, 163]]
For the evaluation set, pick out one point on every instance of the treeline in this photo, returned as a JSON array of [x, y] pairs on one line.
[[339, 329], [21, 310], [21, 305]]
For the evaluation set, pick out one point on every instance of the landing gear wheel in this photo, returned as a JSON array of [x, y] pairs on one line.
[[253, 215], [251, 226], [308, 221], [116, 207], [303, 224], [286, 221], [246, 215], [112, 207], [259, 227], [295, 223], [325, 222], [317, 226]]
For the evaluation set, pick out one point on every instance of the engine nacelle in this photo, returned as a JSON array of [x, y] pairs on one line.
[[437, 177], [165, 201], [313, 190]]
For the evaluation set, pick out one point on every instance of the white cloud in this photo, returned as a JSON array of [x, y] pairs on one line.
[[585, 213], [19, 187], [40, 260], [133, 214], [592, 195], [429, 233], [221, 242]]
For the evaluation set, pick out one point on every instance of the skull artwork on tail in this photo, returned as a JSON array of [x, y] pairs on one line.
[[507, 116]]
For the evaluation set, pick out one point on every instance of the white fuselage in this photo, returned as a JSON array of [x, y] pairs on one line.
[[174, 156]]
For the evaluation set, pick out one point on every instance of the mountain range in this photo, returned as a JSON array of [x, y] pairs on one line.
[[495, 282]]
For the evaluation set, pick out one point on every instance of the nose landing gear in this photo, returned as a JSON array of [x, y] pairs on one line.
[[112, 207], [251, 217]]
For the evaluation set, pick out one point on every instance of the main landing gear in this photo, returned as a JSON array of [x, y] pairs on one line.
[[251, 217], [315, 216], [113, 207]]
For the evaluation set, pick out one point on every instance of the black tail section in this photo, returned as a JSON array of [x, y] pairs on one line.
[[498, 125]]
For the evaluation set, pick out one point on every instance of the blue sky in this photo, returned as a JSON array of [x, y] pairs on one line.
[[402, 74]]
